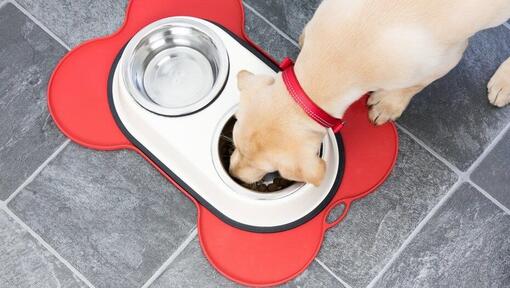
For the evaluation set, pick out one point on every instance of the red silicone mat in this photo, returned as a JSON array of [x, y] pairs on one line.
[[78, 102]]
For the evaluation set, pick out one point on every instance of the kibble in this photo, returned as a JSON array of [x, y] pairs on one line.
[[273, 187]]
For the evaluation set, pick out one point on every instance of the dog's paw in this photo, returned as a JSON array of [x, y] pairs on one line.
[[384, 107], [499, 86]]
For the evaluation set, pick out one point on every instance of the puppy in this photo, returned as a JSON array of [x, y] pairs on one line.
[[394, 48]]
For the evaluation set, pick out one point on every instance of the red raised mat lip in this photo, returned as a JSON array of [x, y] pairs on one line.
[[259, 268]]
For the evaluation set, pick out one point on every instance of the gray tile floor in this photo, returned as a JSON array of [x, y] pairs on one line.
[[441, 220]]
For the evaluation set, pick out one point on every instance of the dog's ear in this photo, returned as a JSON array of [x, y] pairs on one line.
[[243, 79], [313, 171], [308, 169], [246, 78]]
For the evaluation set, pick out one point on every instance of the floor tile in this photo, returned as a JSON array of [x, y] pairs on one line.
[[493, 174], [69, 21], [290, 16], [75, 21], [359, 247], [267, 38], [191, 269], [25, 263], [28, 135], [314, 277], [465, 244], [453, 115], [110, 214]]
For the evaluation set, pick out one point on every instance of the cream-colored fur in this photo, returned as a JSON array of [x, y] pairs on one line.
[[394, 48]]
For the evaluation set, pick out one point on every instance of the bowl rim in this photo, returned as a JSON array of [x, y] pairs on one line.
[[204, 27]]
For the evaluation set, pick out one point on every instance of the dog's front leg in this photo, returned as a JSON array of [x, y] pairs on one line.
[[499, 86], [389, 105]]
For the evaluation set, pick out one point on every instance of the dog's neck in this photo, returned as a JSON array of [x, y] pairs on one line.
[[329, 88]]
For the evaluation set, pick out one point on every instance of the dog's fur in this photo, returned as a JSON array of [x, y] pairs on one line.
[[392, 47]]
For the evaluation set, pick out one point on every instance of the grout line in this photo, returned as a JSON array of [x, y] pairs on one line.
[[430, 150], [332, 273], [172, 258], [480, 159], [489, 149], [39, 23], [283, 34], [506, 25], [415, 232], [494, 200], [41, 241], [37, 171], [466, 176]]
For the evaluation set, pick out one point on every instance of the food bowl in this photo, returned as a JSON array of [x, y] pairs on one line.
[[282, 187], [272, 186], [186, 146], [270, 183], [175, 66]]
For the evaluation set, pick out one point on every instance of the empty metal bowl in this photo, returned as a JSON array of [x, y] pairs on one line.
[[175, 66]]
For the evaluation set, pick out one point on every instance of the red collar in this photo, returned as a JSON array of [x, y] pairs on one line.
[[299, 95]]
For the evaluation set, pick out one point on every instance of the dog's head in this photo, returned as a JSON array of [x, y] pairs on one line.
[[270, 134]]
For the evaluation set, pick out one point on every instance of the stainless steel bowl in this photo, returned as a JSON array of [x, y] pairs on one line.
[[175, 66]]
